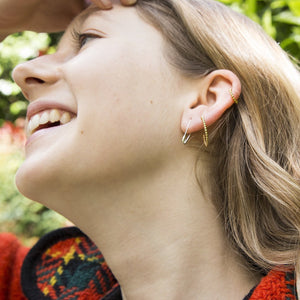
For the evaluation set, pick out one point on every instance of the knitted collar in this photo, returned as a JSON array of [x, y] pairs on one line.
[[66, 265]]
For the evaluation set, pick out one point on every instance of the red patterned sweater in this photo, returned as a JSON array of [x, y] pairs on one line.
[[12, 255], [66, 265]]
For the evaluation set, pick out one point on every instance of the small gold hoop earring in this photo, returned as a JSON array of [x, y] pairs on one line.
[[233, 98], [205, 136], [186, 137]]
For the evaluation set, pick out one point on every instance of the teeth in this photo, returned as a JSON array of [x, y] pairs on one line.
[[48, 116], [29, 128], [35, 122], [54, 115], [44, 118], [65, 118]]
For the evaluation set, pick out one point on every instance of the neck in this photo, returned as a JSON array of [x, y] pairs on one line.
[[164, 241]]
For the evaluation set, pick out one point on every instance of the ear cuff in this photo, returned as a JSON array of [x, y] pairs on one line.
[[233, 97]]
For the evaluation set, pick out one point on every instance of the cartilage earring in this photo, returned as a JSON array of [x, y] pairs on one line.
[[186, 137], [233, 98], [205, 136]]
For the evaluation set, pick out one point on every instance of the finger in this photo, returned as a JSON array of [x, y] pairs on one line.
[[87, 2], [128, 2], [107, 4], [103, 4]]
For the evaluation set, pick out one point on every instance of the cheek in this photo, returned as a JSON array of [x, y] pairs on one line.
[[109, 70], [124, 104], [118, 91]]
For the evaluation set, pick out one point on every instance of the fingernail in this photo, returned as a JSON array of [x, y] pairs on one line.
[[130, 2], [106, 3]]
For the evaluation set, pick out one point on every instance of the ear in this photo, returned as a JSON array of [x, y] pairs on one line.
[[214, 98]]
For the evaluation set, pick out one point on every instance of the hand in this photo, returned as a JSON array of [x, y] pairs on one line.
[[106, 4], [43, 15], [37, 15]]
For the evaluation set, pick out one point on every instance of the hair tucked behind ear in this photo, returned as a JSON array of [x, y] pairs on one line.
[[256, 143]]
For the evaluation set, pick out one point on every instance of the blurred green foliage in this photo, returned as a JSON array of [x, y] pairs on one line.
[[22, 216], [279, 18], [15, 49], [25, 218]]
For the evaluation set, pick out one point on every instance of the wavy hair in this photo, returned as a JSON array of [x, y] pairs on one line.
[[255, 145]]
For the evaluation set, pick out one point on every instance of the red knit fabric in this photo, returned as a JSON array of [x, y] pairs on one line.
[[12, 255], [70, 266], [276, 286]]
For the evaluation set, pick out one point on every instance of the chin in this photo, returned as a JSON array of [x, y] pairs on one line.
[[26, 182], [35, 182], [45, 181]]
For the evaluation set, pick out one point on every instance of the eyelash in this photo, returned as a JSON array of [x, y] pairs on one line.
[[79, 38]]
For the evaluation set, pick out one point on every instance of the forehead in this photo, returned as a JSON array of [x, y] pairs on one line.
[[121, 28], [120, 22]]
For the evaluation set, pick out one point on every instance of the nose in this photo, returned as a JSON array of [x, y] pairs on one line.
[[36, 74]]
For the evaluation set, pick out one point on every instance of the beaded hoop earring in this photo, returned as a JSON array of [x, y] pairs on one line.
[[205, 136]]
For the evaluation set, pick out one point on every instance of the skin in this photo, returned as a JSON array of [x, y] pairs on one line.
[[156, 227], [43, 15]]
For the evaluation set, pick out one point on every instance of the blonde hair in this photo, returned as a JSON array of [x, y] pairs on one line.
[[255, 145]]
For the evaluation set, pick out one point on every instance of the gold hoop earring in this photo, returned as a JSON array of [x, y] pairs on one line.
[[186, 138], [233, 98], [205, 136]]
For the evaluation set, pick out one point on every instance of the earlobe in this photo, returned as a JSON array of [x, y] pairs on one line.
[[217, 92]]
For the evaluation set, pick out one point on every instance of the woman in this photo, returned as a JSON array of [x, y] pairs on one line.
[[168, 132]]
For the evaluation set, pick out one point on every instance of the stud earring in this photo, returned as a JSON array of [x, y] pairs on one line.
[[233, 98], [186, 137], [205, 136]]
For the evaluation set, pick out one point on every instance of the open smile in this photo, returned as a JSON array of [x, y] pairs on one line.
[[48, 118]]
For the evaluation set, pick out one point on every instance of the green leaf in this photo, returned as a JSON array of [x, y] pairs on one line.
[[278, 4], [294, 6], [267, 23], [288, 18], [230, 1], [251, 6], [17, 107]]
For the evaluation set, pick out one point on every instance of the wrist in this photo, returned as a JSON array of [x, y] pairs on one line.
[[3, 36]]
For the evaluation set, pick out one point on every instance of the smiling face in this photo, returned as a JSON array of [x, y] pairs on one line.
[[98, 105]]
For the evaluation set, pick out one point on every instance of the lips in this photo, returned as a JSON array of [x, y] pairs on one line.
[[43, 114], [48, 118]]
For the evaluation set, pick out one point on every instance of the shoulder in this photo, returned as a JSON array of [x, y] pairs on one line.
[[277, 285], [66, 264], [12, 254]]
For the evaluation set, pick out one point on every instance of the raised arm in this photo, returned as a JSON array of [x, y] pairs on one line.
[[43, 15]]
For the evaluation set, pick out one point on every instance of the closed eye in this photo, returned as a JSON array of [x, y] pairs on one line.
[[80, 39], [85, 38]]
